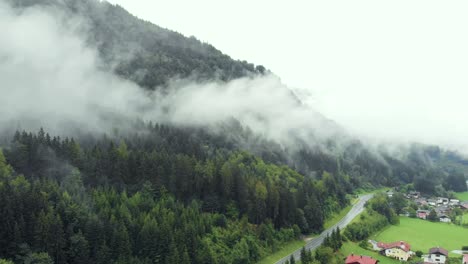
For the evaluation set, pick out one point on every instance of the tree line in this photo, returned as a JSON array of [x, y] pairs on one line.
[[142, 199]]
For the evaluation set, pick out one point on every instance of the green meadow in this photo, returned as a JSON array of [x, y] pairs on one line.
[[423, 235], [462, 196]]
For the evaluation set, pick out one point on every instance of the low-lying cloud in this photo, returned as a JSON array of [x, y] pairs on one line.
[[51, 77]]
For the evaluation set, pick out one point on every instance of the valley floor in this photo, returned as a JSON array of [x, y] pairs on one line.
[[422, 235]]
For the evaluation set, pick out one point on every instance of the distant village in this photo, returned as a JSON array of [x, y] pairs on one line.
[[402, 252], [428, 208], [441, 207]]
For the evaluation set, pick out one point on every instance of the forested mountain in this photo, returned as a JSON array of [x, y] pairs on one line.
[[143, 52], [157, 191], [158, 198]]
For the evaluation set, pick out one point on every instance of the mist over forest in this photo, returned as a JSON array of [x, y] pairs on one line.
[[124, 142]]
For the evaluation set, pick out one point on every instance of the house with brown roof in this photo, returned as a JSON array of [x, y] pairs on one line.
[[443, 210], [421, 201], [437, 255], [464, 205], [398, 250], [357, 259]]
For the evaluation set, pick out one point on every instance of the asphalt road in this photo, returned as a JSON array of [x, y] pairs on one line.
[[317, 241]]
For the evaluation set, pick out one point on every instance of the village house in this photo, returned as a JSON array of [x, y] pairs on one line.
[[432, 202], [436, 255], [355, 259], [442, 200], [422, 214], [421, 201], [464, 206], [414, 195], [465, 259], [444, 218], [454, 202], [397, 250], [443, 210]]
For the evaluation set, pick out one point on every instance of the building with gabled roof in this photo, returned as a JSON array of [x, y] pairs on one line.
[[398, 250], [357, 259], [444, 218], [437, 255], [422, 214]]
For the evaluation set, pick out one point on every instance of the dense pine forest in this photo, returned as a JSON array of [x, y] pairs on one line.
[[157, 191], [165, 195], [154, 198]]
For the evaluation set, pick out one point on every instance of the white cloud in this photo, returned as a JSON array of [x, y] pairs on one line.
[[383, 69], [51, 78]]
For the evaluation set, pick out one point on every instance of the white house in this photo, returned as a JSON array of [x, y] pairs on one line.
[[454, 202], [442, 200], [398, 250], [445, 219], [436, 255]]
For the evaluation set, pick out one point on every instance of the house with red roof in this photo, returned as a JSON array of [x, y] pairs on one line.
[[422, 214], [398, 250], [465, 259], [357, 259]]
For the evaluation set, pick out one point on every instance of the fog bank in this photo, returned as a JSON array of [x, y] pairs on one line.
[[51, 77]]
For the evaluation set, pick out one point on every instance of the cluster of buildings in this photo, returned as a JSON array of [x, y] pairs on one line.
[[441, 205], [401, 251]]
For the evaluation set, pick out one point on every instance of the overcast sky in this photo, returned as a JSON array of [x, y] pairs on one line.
[[392, 69]]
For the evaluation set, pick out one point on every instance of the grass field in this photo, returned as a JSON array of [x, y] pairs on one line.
[[286, 250], [423, 235], [464, 218], [353, 248], [463, 196]]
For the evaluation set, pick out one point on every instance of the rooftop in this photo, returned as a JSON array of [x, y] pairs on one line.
[[400, 244], [355, 259], [439, 250]]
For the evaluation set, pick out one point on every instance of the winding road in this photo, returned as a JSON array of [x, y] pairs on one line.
[[317, 241]]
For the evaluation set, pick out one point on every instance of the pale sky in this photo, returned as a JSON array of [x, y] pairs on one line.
[[386, 69]]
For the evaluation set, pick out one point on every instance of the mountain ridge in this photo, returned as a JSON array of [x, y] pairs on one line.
[[144, 52]]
